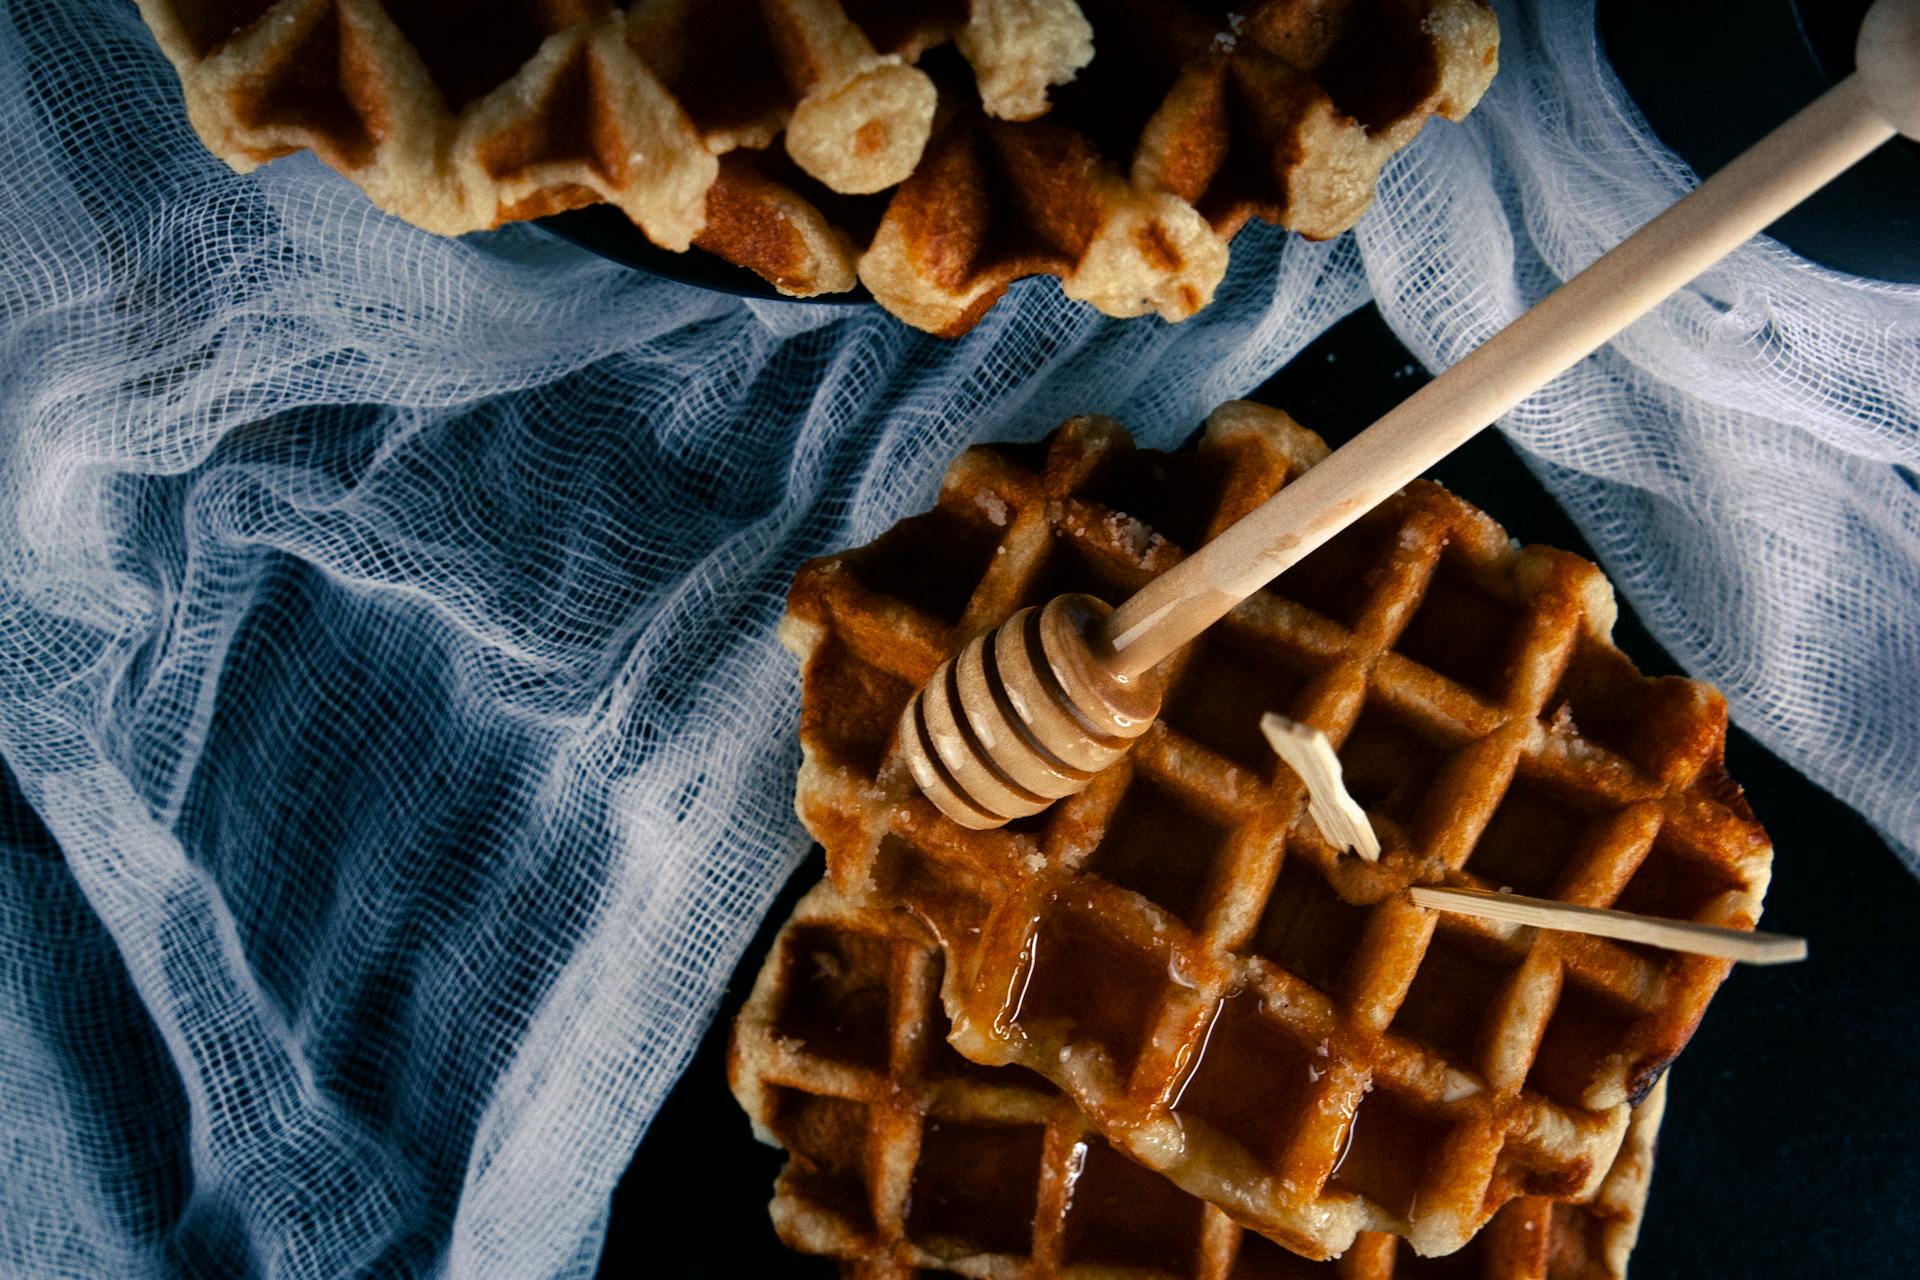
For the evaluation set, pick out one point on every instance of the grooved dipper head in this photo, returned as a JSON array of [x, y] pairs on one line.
[[1024, 715]]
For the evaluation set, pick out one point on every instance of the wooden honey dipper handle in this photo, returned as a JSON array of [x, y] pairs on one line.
[[1771, 177], [1028, 713]]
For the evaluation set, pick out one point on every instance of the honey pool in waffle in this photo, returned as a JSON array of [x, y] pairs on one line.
[[935, 150], [1269, 1023], [906, 1159]]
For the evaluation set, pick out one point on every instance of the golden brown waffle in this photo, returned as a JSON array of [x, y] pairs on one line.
[[908, 1159], [1188, 122], [453, 120], [1273, 1025], [799, 139], [459, 117]]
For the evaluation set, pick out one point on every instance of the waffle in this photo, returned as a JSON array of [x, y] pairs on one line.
[[906, 1159], [1186, 125], [1272, 1025], [822, 143], [570, 102]]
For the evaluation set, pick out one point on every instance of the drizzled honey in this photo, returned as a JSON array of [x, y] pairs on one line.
[[925, 1164]]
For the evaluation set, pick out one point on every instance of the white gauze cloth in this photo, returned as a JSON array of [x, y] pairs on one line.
[[397, 751]]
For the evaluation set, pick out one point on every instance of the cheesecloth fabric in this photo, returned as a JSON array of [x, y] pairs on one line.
[[397, 751]]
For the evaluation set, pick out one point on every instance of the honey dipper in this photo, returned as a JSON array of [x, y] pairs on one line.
[[1029, 712]]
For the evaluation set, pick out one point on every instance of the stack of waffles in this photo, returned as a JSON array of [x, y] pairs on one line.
[[932, 150], [1170, 979]]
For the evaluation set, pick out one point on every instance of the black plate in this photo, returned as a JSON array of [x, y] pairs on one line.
[[603, 229], [1790, 1143]]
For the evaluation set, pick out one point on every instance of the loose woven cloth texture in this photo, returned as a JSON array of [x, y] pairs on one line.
[[397, 751]]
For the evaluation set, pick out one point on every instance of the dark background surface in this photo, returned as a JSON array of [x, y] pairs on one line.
[[1712, 76], [1792, 1139]]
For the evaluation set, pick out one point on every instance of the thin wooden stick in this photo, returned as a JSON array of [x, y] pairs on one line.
[[1342, 822], [1748, 947]]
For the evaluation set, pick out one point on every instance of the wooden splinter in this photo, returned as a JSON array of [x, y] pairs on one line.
[[1030, 712], [1744, 945], [1334, 811]]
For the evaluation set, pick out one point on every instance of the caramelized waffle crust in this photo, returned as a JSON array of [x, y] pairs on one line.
[[906, 1159], [1272, 1025], [1189, 122], [907, 144], [459, 117]]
